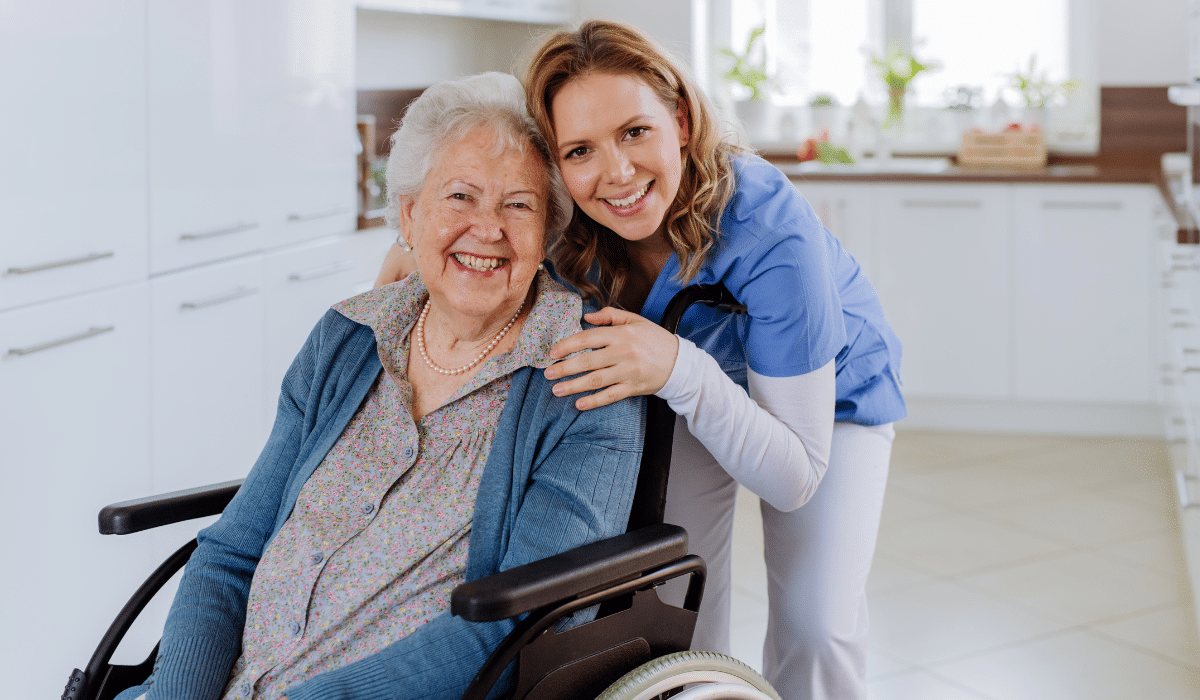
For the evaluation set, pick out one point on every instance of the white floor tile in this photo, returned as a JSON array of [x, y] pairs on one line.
[[976, 485], [915, 450], [943, 621], [880, 663], [1076, 664], [1080, 586], [1169, 631], [919, 685], [1083, 518], [888, 573], [903, 508], [960, 544], [1162, 552]]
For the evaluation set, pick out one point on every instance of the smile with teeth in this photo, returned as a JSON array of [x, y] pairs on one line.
[[631, 199], [479, 264]]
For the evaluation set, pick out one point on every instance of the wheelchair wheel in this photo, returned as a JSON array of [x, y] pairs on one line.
[[692, 675]]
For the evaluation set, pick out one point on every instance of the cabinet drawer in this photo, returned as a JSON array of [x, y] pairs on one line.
[[74, 437], [73, 208], [207, 373], [943, 261], [301, 284]]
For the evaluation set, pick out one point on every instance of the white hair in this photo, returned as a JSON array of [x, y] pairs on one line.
[[445, 113]]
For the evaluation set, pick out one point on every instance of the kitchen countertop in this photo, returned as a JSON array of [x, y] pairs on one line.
[[1072, 169]]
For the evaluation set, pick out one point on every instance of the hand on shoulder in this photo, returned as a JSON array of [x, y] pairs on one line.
[[630, 356]]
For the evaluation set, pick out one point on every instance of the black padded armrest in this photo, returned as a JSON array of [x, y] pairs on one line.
[[568, 575], [140, 514]]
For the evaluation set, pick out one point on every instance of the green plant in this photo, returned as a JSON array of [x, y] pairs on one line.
[[822, 99], [1037, 89], [964, 97], [743, 71], [897, 70]]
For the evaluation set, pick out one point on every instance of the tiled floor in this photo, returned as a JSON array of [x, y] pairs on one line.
[[1015, 568]]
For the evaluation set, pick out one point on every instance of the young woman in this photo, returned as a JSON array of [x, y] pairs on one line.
[[801, 391]]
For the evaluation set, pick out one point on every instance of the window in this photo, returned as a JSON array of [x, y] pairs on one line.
[[822, 47]]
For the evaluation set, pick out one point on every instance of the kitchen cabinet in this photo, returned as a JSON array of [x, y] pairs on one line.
[[73, 213], [74, 430], [1082, 317], [209, 108], [207, 350], [943, 277], [311, 154], [251, 115], [848, 211], [155, 206], [1027, 306]]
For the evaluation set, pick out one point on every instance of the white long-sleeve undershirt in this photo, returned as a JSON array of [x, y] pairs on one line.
[[774, 440]]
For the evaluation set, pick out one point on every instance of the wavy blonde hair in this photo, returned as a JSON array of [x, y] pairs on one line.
[[601, 46]]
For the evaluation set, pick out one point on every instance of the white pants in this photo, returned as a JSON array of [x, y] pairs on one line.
[[817, 556]]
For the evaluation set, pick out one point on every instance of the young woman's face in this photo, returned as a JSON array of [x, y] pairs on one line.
[[619, 151]]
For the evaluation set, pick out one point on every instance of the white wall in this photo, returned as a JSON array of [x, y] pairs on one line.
[[398, 50], [669, 22], [1143, 42]]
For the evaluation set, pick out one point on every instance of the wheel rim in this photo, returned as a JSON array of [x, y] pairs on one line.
[[718, 678]]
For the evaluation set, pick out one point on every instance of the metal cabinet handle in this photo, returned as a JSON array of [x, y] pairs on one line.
[[318, 272], [318, 215], [89, 333], [942, 204], [1052, 204], [238, 293], [1181, 484], [233, 228], [91, 257]]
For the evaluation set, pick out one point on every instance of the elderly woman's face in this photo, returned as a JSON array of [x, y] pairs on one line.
[[478, 225]]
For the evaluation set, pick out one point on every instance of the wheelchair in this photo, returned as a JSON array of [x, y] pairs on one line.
[[636, 647]]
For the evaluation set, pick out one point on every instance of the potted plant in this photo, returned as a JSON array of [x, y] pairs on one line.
[[751, 76], [962, 101], [897, 71], [1038, 92], [823, 108]]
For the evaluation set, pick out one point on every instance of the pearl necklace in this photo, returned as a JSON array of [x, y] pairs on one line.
[[472, 363]]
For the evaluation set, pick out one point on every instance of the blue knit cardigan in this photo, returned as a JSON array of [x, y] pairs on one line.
[[556, 478]]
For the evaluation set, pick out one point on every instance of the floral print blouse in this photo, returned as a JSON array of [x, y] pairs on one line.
[[379, 535]]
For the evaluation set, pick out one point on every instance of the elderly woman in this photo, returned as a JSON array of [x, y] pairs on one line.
[[417, 443]]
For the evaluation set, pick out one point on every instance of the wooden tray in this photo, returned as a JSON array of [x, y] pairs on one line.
[[1008, 149]]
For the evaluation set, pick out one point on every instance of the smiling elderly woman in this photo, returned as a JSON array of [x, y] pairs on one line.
[[417, 443]]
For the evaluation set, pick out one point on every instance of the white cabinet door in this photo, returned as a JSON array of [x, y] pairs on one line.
[[848, 210], [72, 147], [209, 114], [207, 374], [942, 271], [301, 284], [74, 431], [1082, 261], [313, 135]]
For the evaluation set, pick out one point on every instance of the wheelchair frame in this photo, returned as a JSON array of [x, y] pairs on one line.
[[619, 574]]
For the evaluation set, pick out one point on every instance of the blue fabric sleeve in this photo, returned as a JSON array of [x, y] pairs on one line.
[[580, 490], [788, 288]]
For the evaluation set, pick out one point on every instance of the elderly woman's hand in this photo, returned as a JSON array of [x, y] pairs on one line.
[[630, 356]]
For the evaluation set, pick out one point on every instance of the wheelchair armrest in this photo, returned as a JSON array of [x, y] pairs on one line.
[[571, 574], [140, 514]]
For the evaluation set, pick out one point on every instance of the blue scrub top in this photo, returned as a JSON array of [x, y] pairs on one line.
[[808, 300]]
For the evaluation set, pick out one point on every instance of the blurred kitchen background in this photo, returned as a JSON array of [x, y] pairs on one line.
[[186, 186]]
